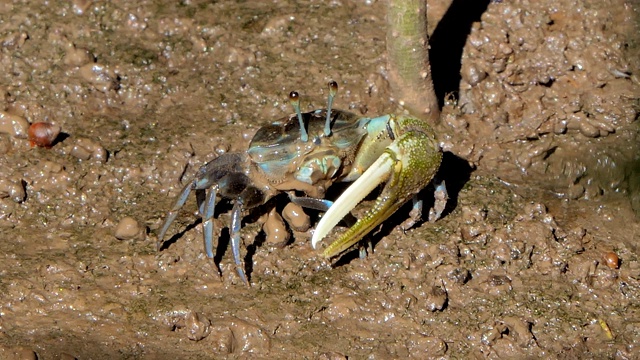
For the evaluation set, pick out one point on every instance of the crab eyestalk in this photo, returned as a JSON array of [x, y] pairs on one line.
[[333, 89], [294, 98]]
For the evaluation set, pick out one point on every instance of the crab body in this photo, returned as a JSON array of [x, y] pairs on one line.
[[308, 152]]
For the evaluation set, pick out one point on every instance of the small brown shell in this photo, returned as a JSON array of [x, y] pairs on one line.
[[43, 134], [611, 259]]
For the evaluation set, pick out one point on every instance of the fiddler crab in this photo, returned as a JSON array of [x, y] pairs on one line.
[[308, 152]]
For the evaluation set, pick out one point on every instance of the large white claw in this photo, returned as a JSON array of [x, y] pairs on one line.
[[369, 180], [405, 167]]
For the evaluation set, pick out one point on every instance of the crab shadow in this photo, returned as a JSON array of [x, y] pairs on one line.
[[454, 171], [174, 238]]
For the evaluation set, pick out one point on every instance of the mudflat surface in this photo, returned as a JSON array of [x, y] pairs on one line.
[[536, 256]]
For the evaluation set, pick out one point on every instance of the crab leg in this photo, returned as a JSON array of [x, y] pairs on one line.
[[173, 213], [207, 220], [321, 205], [406, 166], [414, 215], [236, 220], [440, 202]]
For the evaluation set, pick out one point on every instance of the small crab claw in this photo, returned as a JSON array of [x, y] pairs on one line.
[[407, 166]]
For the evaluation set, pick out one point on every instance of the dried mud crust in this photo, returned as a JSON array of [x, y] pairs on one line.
[[146, 92]]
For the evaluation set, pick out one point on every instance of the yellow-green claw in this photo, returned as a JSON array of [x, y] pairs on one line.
[[407, 166]]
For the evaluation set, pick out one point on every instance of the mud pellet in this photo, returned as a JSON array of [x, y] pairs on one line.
[[5, 145], [13, 125], [332, 355], [127, 228], [80, 6], [296, 218], [86, 149], [575, 191], [98, 75], [12, 189], [249, 338], [275, 230], [198, 326], [26, 354], [77, 57], [471, 74], [418, 345], [436, 299], [80, 152]]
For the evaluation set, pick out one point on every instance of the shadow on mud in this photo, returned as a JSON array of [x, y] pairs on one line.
[[447, 42], [170, 241]]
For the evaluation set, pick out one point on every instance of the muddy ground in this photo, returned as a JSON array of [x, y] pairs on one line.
[[536, 256]]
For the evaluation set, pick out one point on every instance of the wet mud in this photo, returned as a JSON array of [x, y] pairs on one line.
[[536, 254]]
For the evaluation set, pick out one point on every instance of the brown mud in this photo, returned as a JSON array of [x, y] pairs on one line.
[[536, 256]]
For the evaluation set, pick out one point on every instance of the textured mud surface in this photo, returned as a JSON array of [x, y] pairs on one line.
[[536, 256]]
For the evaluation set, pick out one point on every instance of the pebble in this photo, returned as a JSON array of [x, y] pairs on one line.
[[127, 228], [100, 76], [43, 134]]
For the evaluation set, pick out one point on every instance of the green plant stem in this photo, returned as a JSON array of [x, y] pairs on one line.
[[408, 56]]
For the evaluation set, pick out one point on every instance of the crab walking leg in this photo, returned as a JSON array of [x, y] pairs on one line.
[[173, 213], [440, 202], [407, 166], [414, 215], [236, 220], [322, 205], [207, 220]]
